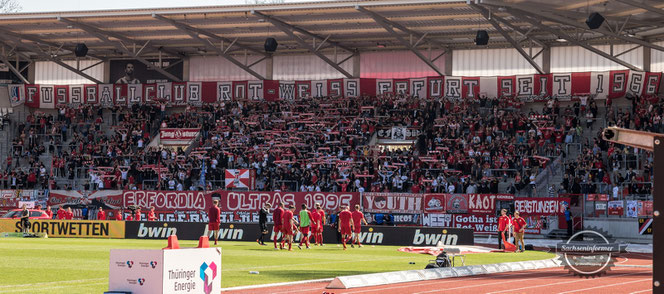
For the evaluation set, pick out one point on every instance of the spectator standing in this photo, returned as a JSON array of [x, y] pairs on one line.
[[519, 231], [568, 219], [101, 214]]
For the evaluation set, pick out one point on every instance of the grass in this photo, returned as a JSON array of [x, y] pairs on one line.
[[81, 265]]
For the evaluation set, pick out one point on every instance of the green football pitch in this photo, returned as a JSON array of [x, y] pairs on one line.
[[81, 265]]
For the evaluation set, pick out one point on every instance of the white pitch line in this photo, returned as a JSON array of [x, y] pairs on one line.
[[48, 283], [609, 285], [559, 283], [642, 291]]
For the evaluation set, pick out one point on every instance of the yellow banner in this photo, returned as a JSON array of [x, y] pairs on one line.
[[69, 228]]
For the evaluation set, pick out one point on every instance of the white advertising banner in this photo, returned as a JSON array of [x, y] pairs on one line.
[[136, 271], [196, 270]]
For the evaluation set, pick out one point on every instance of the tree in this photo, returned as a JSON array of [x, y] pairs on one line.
[[9, 6]]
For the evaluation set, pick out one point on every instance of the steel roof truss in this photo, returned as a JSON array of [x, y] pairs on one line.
[[388, 26], [290, 29], [487, 15]]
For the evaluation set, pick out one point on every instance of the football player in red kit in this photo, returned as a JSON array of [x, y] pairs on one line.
[[214, 213], [49, 212], [358, 219], [315, 223], [345, 225], [61, 213], [276, 218], [118, 215], [151, 216], [288, 223], [321, 223]]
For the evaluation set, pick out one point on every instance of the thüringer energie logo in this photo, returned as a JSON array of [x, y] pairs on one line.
[[589, 253], [208, 273]]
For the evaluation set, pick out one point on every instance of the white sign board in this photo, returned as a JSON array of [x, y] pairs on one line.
[[136, 271], [188, 270], [192, 270]]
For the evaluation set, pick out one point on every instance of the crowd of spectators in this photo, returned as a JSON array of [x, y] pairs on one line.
[[614, 169], [471, 146]]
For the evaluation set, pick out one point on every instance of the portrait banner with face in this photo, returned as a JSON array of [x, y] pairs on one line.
[[136, 72]]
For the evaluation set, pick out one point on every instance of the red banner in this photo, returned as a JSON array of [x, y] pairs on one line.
[[392, 202], [167, 200], [645, 208], [178, 134], [616, 207], [486, 203], [58, 198], [434, 203], [252, 201], [598, 197], [8, 203], [541, 206]]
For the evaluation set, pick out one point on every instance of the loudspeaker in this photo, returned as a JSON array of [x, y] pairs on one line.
[[271, 45], [482, 38], [595, 20], [81, 50]]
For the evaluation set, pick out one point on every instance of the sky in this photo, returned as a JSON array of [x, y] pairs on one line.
[[79, 5]]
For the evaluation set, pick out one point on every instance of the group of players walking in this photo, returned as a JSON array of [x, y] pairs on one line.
[[310, 224]]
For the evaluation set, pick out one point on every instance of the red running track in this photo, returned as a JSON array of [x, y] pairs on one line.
[[620, 279]]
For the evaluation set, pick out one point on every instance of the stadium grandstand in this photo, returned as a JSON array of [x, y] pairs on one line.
[[482, 119]]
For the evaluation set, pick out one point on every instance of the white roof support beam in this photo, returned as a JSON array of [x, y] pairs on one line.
[[487, 15], [39, 51], [642, 6], [191, 31], [525, 34], [389, 27], [208, 34], [569, 38], [289, 30], [568, 21], [40, 41], [103, 36], [403, 28], [17, 72], [97, 31], [293, 28]]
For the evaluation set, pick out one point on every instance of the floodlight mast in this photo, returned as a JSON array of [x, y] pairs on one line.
[[655, 143]]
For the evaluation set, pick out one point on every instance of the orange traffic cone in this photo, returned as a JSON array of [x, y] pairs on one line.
[[173, 242], [204, 242]]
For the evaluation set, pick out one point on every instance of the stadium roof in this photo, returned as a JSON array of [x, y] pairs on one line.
[[327, 27]]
